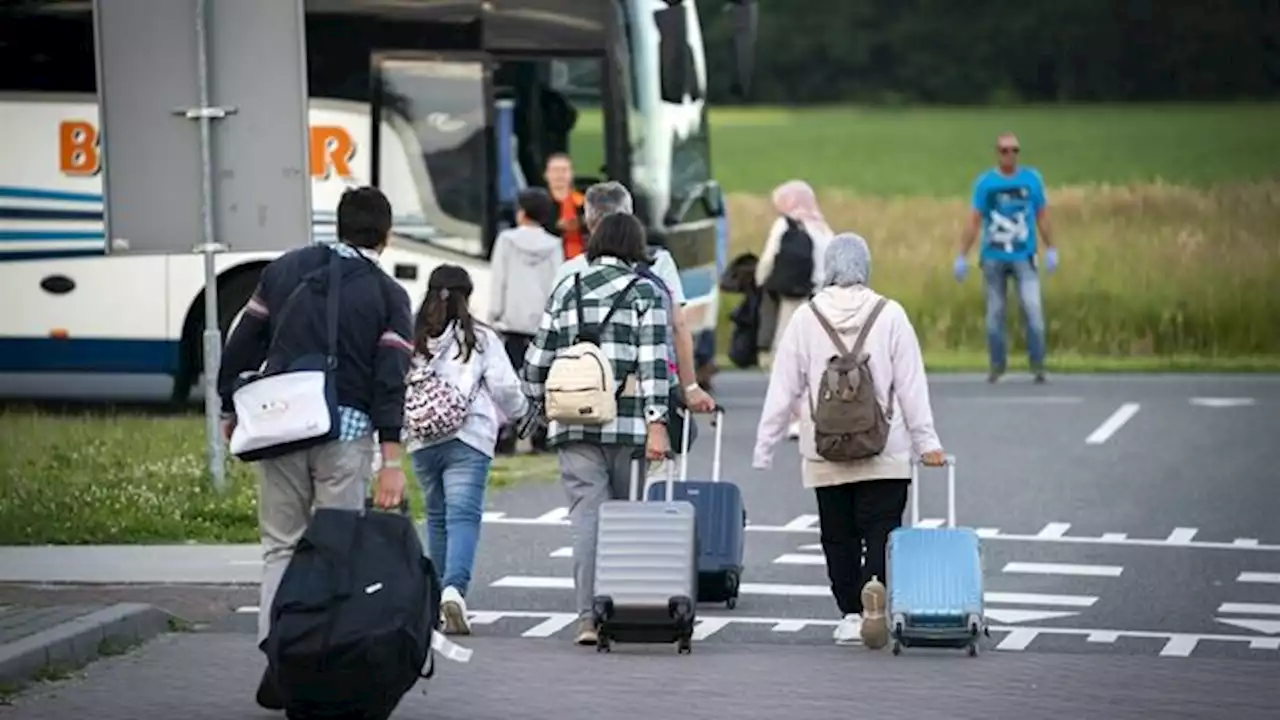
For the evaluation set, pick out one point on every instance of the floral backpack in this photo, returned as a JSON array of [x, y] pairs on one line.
[[434, 407]]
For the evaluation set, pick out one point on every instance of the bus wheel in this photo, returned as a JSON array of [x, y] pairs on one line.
[[233, 292]]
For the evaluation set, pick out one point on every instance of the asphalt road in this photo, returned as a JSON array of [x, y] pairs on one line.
[[1132, 568], [1162, 538]]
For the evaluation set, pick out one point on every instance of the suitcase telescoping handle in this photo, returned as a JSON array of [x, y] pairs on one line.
[[684, 443], [634, 493], [950, 463]]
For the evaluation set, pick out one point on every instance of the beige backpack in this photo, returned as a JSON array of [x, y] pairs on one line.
[[580, 387], [848, 422]]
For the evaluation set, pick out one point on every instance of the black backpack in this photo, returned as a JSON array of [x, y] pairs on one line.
[[792, 274], [352, 622]]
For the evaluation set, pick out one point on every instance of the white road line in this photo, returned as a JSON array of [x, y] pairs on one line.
[[1268, 627], [562, 552], [532, 582], [987, 533], [1176, 644], [550, 626], [1259, 577], [1054, 530], [1017, 639], [799, 559], [1249, 608], [1064, 569], [811, 547], [804, 522], [1012, 598], [1222, 402], [555, 515], [708, 626], [1014, 615], [931, 523], [1113, 423], [1181, 536]]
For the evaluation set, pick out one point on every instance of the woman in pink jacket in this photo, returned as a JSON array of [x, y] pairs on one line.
[[861, 500]]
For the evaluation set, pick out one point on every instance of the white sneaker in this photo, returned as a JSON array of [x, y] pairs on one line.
[[849, 631], [793, 431], [454, 610]]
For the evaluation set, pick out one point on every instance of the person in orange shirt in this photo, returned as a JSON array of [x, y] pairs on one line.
[[569, 220]]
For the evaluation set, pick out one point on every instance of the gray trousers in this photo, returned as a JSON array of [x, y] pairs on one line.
[[591, 475], [333, 475]]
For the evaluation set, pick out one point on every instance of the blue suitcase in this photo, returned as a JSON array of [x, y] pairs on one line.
[[935, 579], [721, 523]]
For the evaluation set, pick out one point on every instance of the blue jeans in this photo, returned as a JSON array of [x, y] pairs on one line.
[[996, 273], [453, 475]]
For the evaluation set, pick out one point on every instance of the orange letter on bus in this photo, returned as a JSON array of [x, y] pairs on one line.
[[77, 148], [331, 151]]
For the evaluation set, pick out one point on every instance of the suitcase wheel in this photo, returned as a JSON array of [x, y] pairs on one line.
[[973, 649], [684, 645], [604, 644], [897, 648], [731, 603], [731, 582]]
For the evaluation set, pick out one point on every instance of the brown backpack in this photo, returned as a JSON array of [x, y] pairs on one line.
[[848, 422]]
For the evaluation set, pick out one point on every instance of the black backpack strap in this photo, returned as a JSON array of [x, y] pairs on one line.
[[335, 291], [334, 269]]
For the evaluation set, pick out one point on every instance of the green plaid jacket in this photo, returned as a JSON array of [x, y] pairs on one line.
[[634, 341]]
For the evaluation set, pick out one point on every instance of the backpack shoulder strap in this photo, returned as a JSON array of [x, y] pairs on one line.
[[618, 300], [831, 331], [866, 326]]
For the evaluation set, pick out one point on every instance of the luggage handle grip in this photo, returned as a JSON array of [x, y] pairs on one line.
[[949, 461], [402, 508], [636, 458], [686, 431]]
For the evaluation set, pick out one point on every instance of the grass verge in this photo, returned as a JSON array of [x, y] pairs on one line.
[[1159, 275], [107, 478]]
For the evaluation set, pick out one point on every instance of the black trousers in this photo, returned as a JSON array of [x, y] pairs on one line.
[[850, 515]]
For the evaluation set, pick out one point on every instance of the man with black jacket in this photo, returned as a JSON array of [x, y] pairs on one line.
[[374, 327]]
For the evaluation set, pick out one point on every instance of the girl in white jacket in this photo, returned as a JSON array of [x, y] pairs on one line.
[[453, 471], [861, 500]]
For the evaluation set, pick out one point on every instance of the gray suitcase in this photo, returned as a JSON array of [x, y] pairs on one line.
[[646, 569]]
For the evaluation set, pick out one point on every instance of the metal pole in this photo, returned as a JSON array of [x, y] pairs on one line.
[[212, 332]]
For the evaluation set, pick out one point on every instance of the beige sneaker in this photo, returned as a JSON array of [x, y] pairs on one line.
[[587, 634], [875, 626]]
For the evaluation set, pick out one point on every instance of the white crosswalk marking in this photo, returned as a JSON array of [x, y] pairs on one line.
[[1064, 569], [1259, 577]]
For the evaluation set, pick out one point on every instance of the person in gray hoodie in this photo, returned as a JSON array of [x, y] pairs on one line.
[[525, 260]]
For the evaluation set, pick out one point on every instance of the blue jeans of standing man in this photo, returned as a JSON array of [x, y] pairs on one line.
[[1026, 283], [453, 475]]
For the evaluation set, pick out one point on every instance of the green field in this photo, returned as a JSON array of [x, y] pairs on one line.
[[107, 478], [886, 152], [1166, 217]]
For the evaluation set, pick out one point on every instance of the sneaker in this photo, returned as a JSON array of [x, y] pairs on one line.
[[875, 626], [1040, 379], [587, 634], [995, 375], [268, 694], [847, 632], [793, 431], [454, 610]]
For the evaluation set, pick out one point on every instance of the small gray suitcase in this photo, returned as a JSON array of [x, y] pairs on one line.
[[646, 569]]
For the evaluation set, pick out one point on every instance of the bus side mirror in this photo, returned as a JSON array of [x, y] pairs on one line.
[[673, 51], [744, 21]]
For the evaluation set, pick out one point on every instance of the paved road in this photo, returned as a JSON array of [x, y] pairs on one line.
[[212, 677], [1149, 532]]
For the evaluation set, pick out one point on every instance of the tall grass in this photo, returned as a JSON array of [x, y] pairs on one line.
[[1145, 270]]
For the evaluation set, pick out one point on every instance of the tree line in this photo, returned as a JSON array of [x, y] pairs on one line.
[[997, 51]]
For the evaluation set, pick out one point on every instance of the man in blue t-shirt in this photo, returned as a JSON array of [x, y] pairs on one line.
[[1009, 209]]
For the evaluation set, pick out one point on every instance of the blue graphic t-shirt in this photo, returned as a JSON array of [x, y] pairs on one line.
[[1008, 205]]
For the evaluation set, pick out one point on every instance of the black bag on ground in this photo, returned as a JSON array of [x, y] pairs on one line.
[[792, 273], [352, 622]]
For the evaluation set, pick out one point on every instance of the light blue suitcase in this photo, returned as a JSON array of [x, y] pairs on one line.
[[935, 579]]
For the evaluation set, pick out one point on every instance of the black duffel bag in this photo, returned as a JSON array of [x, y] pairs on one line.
[[352, 622]]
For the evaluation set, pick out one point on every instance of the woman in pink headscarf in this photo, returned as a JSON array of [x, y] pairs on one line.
[[784, 275]]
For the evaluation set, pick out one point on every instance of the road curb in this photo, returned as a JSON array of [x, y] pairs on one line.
[[78, 642]]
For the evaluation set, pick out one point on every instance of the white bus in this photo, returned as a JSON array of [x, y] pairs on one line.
[[448, 107]]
